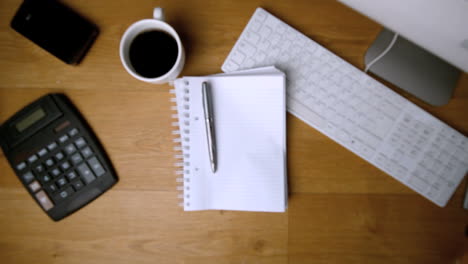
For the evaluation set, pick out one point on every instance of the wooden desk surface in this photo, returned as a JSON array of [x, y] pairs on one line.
[[341, 209]]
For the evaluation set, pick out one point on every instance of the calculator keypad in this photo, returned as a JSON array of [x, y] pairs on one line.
[[61, 168]]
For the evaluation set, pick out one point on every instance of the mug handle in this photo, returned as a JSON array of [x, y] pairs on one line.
[[158, 13]]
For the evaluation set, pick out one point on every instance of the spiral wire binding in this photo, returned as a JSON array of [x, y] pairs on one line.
[[182, 147]]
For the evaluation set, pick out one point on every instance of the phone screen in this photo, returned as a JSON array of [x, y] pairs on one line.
[[56, 28]]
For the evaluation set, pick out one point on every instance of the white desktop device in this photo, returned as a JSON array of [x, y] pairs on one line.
[[355, 110], [426, 28]]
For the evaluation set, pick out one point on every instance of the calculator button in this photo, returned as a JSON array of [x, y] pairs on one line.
[[65, 166], [63, 139], [44, 200], [28, 176], [61, 182], [34, 186], [39, 169], [81, 142], [52, 146], [70, 149], [55, 172], [52, 188], [77, 185], [59, 156], [32, 159], [64, 194], [49, 162], [73, 132], [42, 152], [87, 152], [96, 166], [71, 176], [76, 158], [21, 166], [86, 173], [45, 178]]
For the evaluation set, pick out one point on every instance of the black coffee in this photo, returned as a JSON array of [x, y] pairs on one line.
[[153, 53]]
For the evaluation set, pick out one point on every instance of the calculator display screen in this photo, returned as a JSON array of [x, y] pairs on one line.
[[30, 120]]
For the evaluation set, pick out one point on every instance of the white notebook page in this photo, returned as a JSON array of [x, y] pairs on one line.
[[250, 121]]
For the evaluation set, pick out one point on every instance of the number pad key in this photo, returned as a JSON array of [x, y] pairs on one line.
[[51, 188], [65, 166], [34, 186], [32, 159], [96, 166], [39, 169], [63, 139], [86, 173], [55, 172], [71, 176], [73, 132], [59, 156], [21, 166], [44, 200], [49, 163], [28, 177], [87, 152], [45, 178], [61, 182], [64, 194], [52, 146], [77, 185], [81, 142], [76, 158], [70, 149], [42, 152]]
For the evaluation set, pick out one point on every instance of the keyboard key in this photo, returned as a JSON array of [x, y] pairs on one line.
[[28, 177], [80, 142], [34, 186], [44, 200], [71, 175], [33, 158], [51, 188], [45, 178], [76, 158], [77, 185], [355, 110], [96, 166], [55, 172], [65, 166], [63, 139], [73, 132], [39, 169], [87, 152], [64, 194], [70, 149], [61, 182], [52, 146], [21, 166], [86, 173], [49, 163], [59, 156], [42, 152]]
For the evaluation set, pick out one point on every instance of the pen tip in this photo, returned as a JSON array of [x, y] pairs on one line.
[[213, 167]]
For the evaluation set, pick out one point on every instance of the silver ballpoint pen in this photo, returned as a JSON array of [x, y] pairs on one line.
[[209, 124]]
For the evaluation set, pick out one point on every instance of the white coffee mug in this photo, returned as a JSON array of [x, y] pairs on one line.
[[157, 23]]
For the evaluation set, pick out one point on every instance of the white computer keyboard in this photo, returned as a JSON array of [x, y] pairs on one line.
[[355, 110]]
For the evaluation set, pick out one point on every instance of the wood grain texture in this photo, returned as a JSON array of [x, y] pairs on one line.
[[341, 210]]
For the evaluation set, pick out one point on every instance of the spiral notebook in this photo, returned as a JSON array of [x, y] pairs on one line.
[[250, 131]]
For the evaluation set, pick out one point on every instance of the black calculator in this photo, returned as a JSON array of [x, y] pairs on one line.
[[56, 155]]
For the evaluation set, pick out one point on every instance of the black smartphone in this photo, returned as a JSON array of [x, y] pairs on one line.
[[55, 28]]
